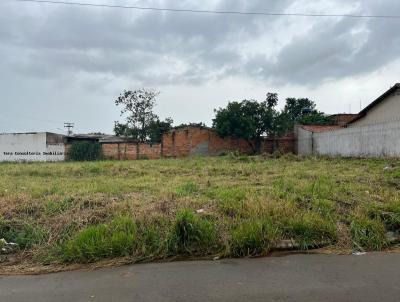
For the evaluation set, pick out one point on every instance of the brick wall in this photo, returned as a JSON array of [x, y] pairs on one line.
[[192, 141], [147, 151], [131, 151], [121, 151], [199, 141], [283, 144]]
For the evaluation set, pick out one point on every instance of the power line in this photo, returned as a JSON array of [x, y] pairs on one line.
[[211, 11]]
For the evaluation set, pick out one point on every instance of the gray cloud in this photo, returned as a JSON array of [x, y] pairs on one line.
[[133, 44], [345, 48], [70, 54]]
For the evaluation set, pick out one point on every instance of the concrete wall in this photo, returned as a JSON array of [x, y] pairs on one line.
[[304, 140], [31, 147], [386, 111], [377, 140]]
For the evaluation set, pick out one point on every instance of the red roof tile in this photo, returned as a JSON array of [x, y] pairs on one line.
[[315, 128]]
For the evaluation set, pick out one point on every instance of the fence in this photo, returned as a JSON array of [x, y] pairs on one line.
[[376, 140]]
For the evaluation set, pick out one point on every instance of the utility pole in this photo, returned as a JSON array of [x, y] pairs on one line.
[[69, 126]]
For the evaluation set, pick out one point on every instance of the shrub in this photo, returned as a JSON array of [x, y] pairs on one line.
[[368, 233], [192, 235], [253, 238], [85, 151], [102, 241]]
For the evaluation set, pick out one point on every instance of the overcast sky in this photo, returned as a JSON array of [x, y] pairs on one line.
[[63, 63]]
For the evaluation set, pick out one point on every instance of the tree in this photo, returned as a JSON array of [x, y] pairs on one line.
[[139, 106], [316, 118], [272, 100], [125, 130], [157, 128], [142, 123], [294, 108], [247, 119], [302, 111]]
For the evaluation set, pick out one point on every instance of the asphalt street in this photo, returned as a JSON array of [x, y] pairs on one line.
[[370, 277]]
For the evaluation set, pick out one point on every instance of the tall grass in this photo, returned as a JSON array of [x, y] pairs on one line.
[[192, 235], [116, 239]]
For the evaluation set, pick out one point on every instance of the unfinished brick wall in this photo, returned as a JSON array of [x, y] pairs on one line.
[[192, 141], [131, 151], [147, 151], [220, 145], [120, 151], [199, 141], [284, 144]]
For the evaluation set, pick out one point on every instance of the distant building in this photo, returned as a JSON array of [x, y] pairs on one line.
[[342, 119], [35, 146]]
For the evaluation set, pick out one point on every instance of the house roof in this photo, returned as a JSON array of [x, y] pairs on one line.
[[101, 138], [343, 119], [317, 128], [376, 102]]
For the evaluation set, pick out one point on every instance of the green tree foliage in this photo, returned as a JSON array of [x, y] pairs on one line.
[[316, 118], [142, 123], [251, 120], [85, 151], [247, 119], [157, 128], [302, 111]]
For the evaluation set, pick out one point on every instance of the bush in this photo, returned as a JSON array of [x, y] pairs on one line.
[[192, 235], [368, 233], [253, 238], [85, 151], [102, 241]]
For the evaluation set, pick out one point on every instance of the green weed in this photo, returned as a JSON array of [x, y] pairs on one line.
[[116, 239], [368, 233], [310, 230], [192, 235], [25, 235], [188, 188], [253, 238], [230, 200], [57, 207]]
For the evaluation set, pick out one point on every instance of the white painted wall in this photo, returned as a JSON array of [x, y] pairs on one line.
[[378, 140], [29, 147]]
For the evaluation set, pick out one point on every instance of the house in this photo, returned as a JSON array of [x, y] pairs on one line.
[[33, 146], [385, 108]]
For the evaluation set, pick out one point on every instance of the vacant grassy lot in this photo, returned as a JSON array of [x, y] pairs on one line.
[[226, 206]]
